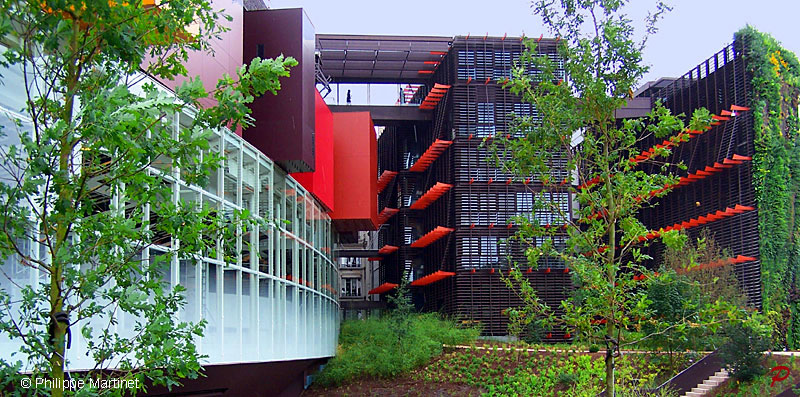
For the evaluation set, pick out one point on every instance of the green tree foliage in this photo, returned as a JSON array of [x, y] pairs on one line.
[[576, 126], [743, 351], [684, 296], [80, 183], [776, 89]]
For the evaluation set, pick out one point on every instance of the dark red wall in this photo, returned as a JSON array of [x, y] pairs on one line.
[[284, 126], [267, 379], [355, 155], [320, 182]]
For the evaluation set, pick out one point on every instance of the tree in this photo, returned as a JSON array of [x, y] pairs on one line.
[[88, 178], [684, 296], [579, 140]]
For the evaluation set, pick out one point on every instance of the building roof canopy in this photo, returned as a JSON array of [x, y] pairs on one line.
[[380, 59]]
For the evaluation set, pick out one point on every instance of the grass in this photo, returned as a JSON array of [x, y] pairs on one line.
[[390, 346]]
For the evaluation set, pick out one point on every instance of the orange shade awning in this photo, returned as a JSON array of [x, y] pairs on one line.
[[383, 288], [384, 179], [387, 249], [430, 237], [430, 155], [432, 278], [431, 195], [385, 214]]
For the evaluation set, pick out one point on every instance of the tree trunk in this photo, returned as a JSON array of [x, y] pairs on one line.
[[58, 331], [611, 274], [57, 360], [64, 190], [610, 372]]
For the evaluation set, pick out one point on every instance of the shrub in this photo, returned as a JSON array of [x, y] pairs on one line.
[[374, 348], [594, 348], [567, 378], [743, 351]]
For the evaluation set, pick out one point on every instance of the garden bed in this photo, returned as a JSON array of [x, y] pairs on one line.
[[503, 369]]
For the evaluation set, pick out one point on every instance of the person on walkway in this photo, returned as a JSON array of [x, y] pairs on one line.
[[349, 99]]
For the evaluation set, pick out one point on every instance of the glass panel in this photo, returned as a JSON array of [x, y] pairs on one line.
[[248, 320], [291, 318], [266, 321], [265, 193], [231, 300], [188, 279], [290, 205], [265, 261], [214, 205], [212, 345], [249, 183], [231, 171], [216, 174], [279, 204]]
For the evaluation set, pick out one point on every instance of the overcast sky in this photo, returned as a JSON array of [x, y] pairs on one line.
[[692, 32]]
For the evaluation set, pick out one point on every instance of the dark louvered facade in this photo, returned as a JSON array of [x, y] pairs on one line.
[[483, 200], [720, 84], [456, 207]]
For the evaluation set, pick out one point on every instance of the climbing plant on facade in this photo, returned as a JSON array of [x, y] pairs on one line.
[[775, 89]]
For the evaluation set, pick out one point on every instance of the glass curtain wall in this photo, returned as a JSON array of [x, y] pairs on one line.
[[277, 303]]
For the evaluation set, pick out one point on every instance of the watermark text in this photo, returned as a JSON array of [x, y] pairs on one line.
[[78, 384]]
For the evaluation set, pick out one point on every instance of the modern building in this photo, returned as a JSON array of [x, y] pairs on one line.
[[445, 210], [322, 193], [740, 183], [419, 202]]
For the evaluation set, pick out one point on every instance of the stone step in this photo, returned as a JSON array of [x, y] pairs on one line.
[[708, 385]]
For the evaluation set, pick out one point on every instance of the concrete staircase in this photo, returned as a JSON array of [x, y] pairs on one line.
[[709, 384]]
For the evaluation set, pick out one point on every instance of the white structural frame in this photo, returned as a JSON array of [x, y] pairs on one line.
[[277, 303]]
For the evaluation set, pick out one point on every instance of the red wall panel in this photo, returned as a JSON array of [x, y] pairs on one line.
[[320, 182], [355, 155]]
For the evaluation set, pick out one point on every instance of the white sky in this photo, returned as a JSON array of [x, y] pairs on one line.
[[692, 32]]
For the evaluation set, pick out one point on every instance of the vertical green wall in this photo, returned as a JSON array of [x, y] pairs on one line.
[[776, 171]]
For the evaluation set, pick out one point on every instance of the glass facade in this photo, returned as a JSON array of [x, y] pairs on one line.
[[280, 303]]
